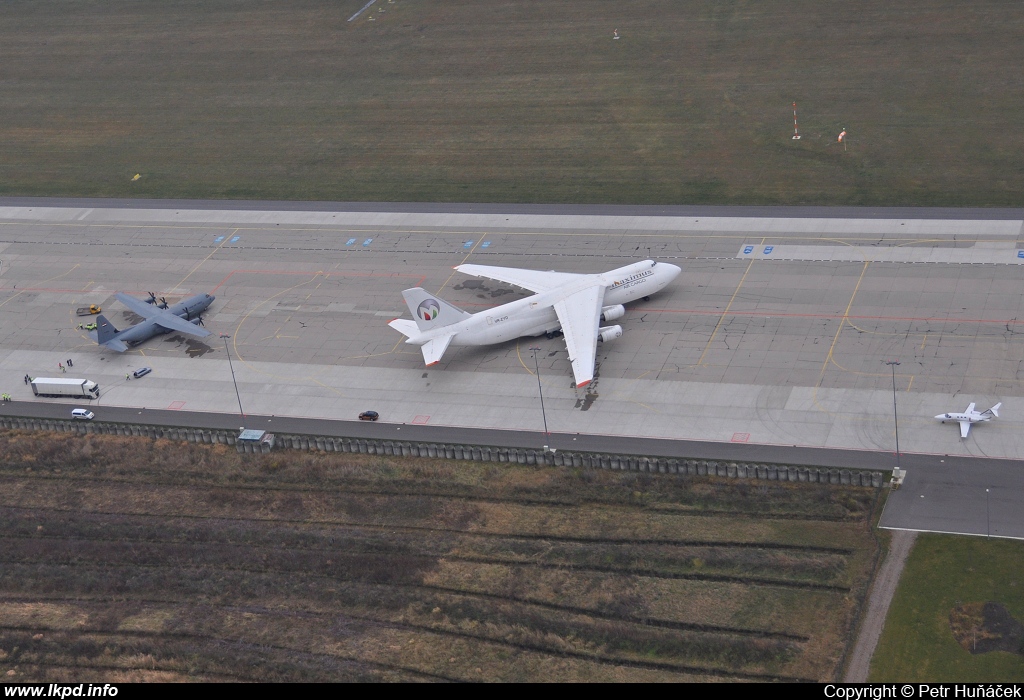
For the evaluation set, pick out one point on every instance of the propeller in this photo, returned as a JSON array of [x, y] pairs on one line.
[[201, 321], [163, 303], [152, 298]]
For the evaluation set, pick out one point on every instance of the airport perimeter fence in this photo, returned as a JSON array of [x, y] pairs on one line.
[[510, 455]]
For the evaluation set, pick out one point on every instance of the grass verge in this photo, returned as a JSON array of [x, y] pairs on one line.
[[515, 101], [945, 573]]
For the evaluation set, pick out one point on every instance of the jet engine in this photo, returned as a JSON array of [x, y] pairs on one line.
[[609, 333], [610, 313]]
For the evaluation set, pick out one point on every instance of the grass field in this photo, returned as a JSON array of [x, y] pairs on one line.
[[515, 101], [942, 573], [133, 559]]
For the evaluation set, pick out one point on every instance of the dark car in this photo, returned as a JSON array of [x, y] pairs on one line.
[[369, 415], [142, 372]]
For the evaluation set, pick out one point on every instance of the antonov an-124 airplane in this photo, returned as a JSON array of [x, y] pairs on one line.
[[969, 417], [573, 303]]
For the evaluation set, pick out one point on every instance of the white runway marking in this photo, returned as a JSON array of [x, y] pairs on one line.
[[365, 8]]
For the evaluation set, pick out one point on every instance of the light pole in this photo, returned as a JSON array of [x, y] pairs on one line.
[[893, 364], [233, 381], [544, 415], [988, 516]]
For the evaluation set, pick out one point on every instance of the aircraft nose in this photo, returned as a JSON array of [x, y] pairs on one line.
[[673, 270]]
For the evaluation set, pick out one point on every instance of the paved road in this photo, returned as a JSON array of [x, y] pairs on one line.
[[652, 447], [933, 213], [493, 437]]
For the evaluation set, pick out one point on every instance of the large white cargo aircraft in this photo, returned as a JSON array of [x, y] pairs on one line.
[[969, 417], [573, 303]]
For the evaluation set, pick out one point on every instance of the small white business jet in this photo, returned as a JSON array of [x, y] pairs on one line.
[[969, 417], [573, 303]]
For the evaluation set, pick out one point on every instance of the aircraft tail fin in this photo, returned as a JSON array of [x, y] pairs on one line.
[[105, 331], [106, 335], [995, 409], [429, 312]]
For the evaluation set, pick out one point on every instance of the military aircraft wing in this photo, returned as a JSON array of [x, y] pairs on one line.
[[176, 323], [139, 307], [965, 427], [534, 280], [580, 317]]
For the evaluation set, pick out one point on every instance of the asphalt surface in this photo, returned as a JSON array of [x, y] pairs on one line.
[[652, 447], [933, 213], [772, 346]]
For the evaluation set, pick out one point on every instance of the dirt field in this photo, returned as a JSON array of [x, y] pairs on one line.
[[515, 101], [133, 559]]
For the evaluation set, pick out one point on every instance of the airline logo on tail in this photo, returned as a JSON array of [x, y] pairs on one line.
[[428, 309]]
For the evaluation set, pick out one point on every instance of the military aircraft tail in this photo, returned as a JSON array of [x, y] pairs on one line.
[[431, 312], [105, 330], [106, 334]]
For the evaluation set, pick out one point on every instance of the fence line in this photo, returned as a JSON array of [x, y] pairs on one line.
[[510, 455]]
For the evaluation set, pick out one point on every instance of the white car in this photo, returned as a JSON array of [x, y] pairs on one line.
[[82, 414]]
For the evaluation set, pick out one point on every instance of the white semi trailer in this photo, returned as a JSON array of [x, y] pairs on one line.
[[69, 388]]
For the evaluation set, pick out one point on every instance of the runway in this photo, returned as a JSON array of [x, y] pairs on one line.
[[776, 334]]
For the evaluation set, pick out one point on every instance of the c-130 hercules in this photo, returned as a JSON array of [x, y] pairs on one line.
[[183, 317]]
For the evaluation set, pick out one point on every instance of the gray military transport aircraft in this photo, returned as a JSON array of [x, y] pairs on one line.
[[183, 317]]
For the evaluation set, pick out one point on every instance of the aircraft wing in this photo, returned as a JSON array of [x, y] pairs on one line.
[[970, 409], [176, 323], [139, 307], [580, 316], [965, 427], [534, 280]]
